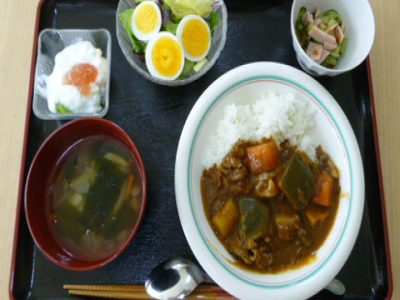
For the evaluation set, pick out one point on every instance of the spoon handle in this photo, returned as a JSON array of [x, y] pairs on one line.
[[336, 287]]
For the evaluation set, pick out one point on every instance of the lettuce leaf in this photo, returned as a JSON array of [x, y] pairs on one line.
[[171, 27], [138, 1], [166, 6], [187, 69], [213, 21], [126, 18], [182, 8]]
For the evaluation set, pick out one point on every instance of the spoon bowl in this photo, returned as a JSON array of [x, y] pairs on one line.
[[178, 277], [174, 279]]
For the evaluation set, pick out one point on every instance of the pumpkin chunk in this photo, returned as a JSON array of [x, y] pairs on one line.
[[255, 217], [297, 181]]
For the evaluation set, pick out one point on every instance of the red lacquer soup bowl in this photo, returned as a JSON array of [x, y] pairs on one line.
[[47, 224]]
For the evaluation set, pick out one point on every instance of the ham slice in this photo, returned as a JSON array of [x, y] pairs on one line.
[[318, 12], [332, 27], [339, 35], [314, 51], [317, 22], [343, 27], [321, 36], [324, 55], [330, 47], [307, 18]]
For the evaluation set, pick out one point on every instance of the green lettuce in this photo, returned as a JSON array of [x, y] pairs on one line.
[[182, 8], [187, 69], [126, 18], [171, 27], [213, 21]]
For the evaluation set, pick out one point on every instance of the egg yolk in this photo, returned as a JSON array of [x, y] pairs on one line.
[[167, 56], [195, 38], [146, 18], [81, 76]]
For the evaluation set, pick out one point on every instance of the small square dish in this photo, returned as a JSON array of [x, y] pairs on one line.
[[91, 81]]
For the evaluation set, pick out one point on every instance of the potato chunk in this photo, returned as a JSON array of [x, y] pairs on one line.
[[226, 218], [316, 217], [287, 225]]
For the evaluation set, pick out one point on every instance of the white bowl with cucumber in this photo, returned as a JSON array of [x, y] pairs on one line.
[[331, 37]]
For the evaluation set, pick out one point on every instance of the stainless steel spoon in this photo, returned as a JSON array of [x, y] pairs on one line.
[[178, 277]]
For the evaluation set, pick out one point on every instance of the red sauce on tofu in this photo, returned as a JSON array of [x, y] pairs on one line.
[[81, 76]]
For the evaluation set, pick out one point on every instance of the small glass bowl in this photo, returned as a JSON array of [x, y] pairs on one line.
[[51, 42], [217, 44]]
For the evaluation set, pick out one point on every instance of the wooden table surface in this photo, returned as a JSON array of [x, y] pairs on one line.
[[17, 21]]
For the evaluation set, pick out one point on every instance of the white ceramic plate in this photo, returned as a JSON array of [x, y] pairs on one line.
[[333, 131]]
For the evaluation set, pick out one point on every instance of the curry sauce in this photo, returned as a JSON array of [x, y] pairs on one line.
[[270, 205]]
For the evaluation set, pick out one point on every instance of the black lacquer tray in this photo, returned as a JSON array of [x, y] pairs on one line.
[[154, 116]]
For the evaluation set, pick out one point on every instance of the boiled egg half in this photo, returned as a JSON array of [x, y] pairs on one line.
[[164, 56], [195, 36], [146, 20]]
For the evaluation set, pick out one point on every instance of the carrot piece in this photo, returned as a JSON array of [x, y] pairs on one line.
[[263, 158], [129, 186], [324, 190]]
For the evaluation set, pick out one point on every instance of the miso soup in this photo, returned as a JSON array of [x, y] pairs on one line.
[[95, 198]]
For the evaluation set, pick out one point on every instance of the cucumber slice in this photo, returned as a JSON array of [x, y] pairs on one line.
[[309, 27], [329, 15], [343, 46], [299, 25], [336, 52], [62, 109], [322, 26], [325, 64], [332, 60], [302, 11], [332, 22], [302, 38]]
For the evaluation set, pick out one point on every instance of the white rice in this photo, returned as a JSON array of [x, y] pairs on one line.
[[281, 116]]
